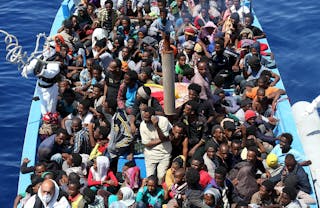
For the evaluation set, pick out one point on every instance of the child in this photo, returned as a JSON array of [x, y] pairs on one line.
[[131, 175], [212, 197], [75, 197], [176, 164], [149, 195], [179, 187], [181, 66], [100, 176], [205, 178]]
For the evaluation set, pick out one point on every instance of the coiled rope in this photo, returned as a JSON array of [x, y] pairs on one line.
[[15, 53]]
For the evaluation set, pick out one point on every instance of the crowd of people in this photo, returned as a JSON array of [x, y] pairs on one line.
[[218, 150]]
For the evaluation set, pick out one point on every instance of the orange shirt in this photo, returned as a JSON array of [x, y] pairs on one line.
[[253, 92]]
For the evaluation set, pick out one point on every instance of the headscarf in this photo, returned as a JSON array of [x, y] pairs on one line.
[[247, 31], [127, 196], [103, 165], [215, 193]]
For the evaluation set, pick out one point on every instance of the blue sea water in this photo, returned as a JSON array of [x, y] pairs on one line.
[[291, 27]]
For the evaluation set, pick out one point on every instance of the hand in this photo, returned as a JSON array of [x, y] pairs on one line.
[[273, 120], [133, 128], [26, 160], [268, 174], [130, 157], [144, 182], [65, 156]]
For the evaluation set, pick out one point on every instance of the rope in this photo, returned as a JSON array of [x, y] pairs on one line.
[[15, 53]]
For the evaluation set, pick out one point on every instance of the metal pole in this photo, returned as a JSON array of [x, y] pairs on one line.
[[168, 75]]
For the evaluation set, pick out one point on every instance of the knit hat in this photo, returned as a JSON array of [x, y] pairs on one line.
[[189, 31], [272, 160], [249, 114], [143, 93]]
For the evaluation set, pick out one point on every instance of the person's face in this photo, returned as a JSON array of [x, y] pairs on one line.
[[182, 60], [210, 152], [81, 110], [178, 132], [47, 188], [284, 199], [113, 66], [224, 150], [196, 165], [219, 179], [208, 199], [236, 3], [218, 49], [218, 134], [262, 84], [290, 164], [174, 167], [151, 186], [69, 160], [145, 55], [178, 178], [228, 133], [263, 192], [247, 21], [60, 138], [63, 52], [235, 149], [202, 68], [96, 92], [125, 23], [120, 195], [76, 126], [251, 156], [254, 51], [108, 7], [284, 144], [193, 95], [143, 77], [260, 95], [131, 43], [40, 169], [147, 117], [163, 15], [73, 190], [128, 81], [187, 111], [96, 74], [90, 9]]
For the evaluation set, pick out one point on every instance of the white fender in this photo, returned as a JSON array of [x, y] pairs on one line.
[[308, 126]]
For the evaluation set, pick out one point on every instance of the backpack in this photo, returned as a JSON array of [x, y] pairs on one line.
[[120, 136]]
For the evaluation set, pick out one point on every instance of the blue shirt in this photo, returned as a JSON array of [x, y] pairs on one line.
[[281, 156]]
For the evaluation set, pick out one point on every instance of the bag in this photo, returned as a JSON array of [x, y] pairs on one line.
[[120, 136]]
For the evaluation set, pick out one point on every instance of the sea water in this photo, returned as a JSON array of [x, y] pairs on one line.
[[291, 27]]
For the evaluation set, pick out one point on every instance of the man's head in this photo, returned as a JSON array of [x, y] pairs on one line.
[[148, 112], [47, 190], [178, 130], [266, 189], [76, 124], [288, 194], [236, 147], [220, 176], [285, 142], [224, 151], [290, 162], [194, 91], [61, 136]]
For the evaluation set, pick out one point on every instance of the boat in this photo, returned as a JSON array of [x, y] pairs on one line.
[[284, 111]]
